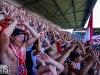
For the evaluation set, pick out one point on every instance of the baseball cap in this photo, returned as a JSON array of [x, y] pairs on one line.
[[17, 32]]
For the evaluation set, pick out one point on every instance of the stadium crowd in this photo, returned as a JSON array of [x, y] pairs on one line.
[[30, 45]]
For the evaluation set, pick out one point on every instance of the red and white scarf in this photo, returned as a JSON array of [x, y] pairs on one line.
[[21, 62]]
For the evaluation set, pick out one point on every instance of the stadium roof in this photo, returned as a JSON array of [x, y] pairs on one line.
[[65, 13]]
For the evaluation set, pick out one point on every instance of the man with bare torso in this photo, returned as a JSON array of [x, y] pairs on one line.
[[13, 49]]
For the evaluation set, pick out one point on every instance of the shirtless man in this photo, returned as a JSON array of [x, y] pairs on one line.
[[11, 41]]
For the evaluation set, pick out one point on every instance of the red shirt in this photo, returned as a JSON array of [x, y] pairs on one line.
[[3, 24], [58, 47]]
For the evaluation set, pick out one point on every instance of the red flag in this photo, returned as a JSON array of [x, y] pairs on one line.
[[89, 30]]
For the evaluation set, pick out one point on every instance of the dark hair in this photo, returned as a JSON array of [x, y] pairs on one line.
[[91, 71], [35, 43], [40, 26], [48, 50], [1, 12], [57, 36], [76, 47], [74, 55]]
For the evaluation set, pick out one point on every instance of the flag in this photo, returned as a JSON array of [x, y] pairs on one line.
[[89, 30]]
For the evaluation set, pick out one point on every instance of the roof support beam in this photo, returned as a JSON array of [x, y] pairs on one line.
[[74, 12], [67, 10], [82, 11], [55, 12], [67, 1], [54, 15], [81, 6], [70, 13], [61, 11], [30, 3], [48, 11], [30, 7], [33, 9]]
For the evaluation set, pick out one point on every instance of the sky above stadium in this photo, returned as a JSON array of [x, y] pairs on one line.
[[96, 15]]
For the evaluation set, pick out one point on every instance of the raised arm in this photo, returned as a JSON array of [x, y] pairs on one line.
[[40, 60], [47, 59], [82, 48], [54, 37], [38, 48], [59, 38], [98, 72], [5, 36], [59, 66], [66, 54], [98, 63], [43, 24], [47, 70], [34, 34], [48, 43], [84, 70]]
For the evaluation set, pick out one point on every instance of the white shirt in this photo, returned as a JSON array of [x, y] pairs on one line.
[[33, 57], [29, 48], [79, 66]]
